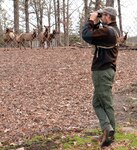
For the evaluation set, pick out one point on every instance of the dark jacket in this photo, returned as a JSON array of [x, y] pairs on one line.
[[105, 40]]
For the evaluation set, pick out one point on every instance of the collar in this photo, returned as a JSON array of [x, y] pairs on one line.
[[112, 23]]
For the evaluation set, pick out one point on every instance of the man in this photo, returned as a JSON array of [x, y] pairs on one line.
[[104, 36]]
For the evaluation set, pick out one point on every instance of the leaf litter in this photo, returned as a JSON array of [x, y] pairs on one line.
[[44, 91]]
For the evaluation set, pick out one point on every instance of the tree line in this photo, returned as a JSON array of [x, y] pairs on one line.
[[58, 15]]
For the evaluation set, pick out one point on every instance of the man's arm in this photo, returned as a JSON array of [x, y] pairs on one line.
[[93, 35]]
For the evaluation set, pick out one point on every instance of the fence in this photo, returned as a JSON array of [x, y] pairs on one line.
[[128, 13], [129, 22]]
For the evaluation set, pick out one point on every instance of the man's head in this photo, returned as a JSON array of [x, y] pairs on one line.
[[109, 15]]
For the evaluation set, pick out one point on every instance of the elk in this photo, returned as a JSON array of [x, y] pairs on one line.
[[9, 36], [42, 36], [50, 38], [30, 36], [122, 39]]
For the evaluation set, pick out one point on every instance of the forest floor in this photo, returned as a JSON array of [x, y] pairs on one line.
[[44, 91]]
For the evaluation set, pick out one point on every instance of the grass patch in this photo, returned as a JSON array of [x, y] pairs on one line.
[[75, 141], [122, 148]]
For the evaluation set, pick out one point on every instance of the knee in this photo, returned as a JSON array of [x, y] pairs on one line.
[[95, 103]]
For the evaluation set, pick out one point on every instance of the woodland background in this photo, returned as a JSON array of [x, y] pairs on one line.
[[65, 16]]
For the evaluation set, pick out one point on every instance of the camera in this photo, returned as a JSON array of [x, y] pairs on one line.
[[99, 13]]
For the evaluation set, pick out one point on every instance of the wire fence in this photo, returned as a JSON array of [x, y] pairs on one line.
[[129, 22], [128, 14]]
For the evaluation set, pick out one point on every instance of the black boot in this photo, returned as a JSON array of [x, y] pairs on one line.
[[108, 138]]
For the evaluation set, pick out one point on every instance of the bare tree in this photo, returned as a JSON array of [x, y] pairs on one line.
[[49, 16], [120, 17], [16, 15], [67, 26], [27, 15], [81, 22], [98, 4], [58, 22], [41, 5], [110, 3], [1, 12], [38, 7], [65, 21], [55, 12], [86, 9]]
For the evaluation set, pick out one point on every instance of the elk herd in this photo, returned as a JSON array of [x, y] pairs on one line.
[[19, 40], [43, 37]]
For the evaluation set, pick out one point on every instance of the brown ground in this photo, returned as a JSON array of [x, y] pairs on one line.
[[51, 90]]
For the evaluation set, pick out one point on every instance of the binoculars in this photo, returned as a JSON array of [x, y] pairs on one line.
[[99, 13]]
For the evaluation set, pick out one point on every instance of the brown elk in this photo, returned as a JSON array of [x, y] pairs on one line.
[[9, 37], [43, 36], [26, 37], [50, 38], [122, 39]]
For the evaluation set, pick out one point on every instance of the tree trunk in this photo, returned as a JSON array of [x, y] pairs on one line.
[[41, 14], [120, 18], [49, 15], [58, 23], [97, 4], [55, 10], [110, 3], [27, 15], [86, 9], [64, 22], [16, 16], [37, 14], [67, 27], [1, 13]]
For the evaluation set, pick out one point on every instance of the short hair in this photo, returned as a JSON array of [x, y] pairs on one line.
[[113, 18]]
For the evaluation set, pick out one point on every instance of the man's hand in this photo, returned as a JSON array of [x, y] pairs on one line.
[[94, 17]]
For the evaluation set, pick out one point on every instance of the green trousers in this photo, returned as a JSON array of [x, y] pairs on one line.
[[102, 99]]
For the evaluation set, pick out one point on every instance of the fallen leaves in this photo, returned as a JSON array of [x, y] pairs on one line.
[[51, 90]]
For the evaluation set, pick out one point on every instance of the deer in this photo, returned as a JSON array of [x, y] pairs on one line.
[[42, 36], [9, 36], [50, 38], [30, 36], [122, 39]]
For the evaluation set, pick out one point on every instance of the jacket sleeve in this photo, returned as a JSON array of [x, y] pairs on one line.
[[94, 35], [87, 32]]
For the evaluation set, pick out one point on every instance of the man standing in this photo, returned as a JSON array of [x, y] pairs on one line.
[[104, 36]]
